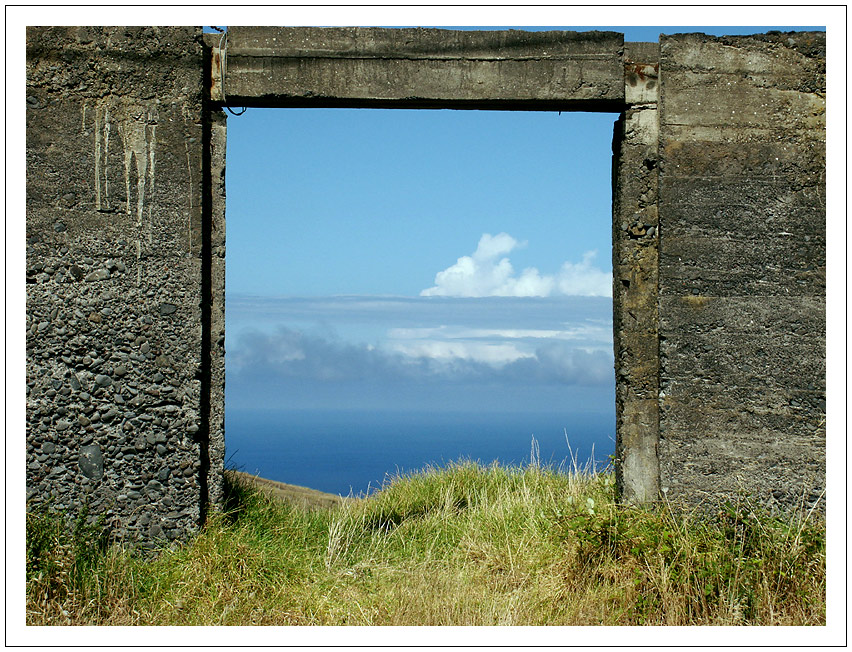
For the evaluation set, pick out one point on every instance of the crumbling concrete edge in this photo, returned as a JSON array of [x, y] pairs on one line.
[[213, 293], [635, 238]]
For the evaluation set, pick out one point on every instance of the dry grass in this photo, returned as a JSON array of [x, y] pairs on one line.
[[302, 496], [466, 545]]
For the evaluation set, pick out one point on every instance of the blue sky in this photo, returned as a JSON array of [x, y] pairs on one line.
[[409, 260], [403, 260], [379, 201]]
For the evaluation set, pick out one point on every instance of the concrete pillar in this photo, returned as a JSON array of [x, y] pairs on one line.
[[635, 261]]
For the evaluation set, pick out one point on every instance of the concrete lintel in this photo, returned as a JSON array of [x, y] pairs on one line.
[[421, 43], [420, 68]]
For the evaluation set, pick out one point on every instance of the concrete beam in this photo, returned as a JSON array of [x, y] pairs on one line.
[[418, 68]]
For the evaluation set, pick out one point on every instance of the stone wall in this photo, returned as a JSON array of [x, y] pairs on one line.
[[742, 267], [114, 276]]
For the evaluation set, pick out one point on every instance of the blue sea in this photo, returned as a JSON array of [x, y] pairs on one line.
[[355, 452]]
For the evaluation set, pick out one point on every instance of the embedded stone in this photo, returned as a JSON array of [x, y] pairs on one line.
[[97, 275], [91, 461], [155, 438]]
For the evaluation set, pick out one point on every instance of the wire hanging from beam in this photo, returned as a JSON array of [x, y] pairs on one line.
[[223, 49]]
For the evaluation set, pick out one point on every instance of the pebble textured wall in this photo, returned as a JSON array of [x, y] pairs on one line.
[[742, 267], [114, 276]]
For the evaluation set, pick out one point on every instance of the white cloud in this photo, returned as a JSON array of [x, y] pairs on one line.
[[580, 332], [494, 347], [291, 356], [489, 273], [584, 279], [493, 354]]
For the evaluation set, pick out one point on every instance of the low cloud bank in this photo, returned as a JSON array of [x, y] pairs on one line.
[[290, 354], [489, 273]]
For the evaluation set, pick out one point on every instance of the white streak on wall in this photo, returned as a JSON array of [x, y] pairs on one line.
[[106, 156], [189, 220], [138, 130], [133, 132], [152, 143], [102, 130], [189, 169], [98, 145], [188, 134]]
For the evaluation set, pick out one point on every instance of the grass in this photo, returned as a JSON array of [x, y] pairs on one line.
[[462, 545]]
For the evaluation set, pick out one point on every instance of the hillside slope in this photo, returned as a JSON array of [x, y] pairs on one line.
[[303, 496]]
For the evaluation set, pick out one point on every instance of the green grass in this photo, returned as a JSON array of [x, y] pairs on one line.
[[463, 545]]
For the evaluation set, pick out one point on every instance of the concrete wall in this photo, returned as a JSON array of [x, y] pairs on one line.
[[742, 267], [635, 264], [423, 68], [718, 244], [116, 387]]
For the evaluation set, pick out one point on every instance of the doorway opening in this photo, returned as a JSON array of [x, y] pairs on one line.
[[412, 287]]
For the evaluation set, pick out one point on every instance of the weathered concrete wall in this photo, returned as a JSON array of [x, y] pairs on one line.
[[423, 68], [213, 259], [718, 244], [115, 381], [635, 264], [742, 267]]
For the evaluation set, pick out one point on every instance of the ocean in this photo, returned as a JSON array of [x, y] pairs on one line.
[[354, 452]]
